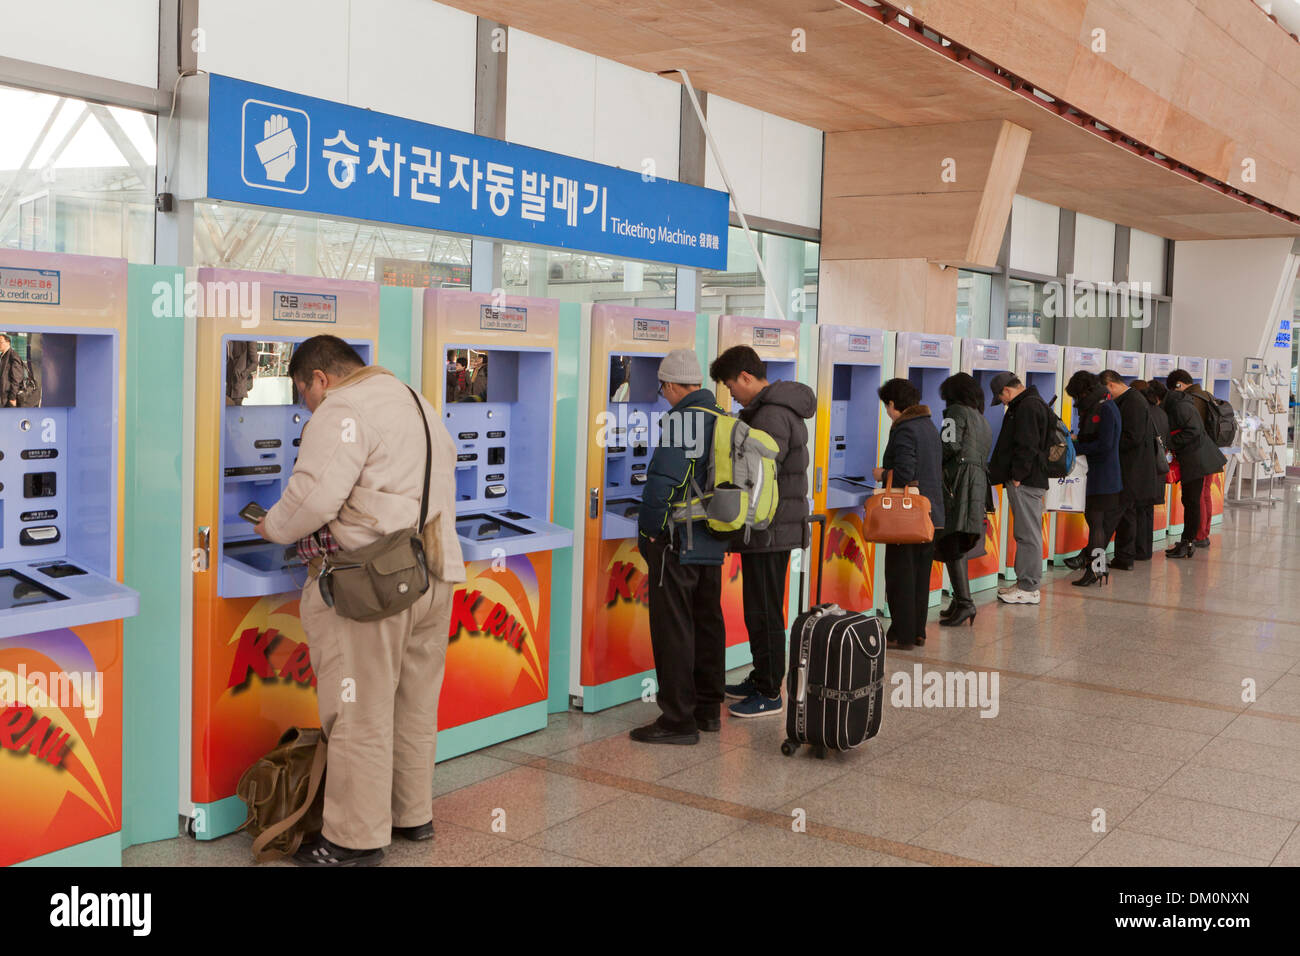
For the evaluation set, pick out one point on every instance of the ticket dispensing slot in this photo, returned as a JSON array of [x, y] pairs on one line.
[[633, 414], [501, 427], [57, 491], [262, 421]]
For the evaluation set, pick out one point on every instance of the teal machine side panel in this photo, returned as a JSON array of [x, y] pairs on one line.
[[154, 563], [395, 323], [565, 576]]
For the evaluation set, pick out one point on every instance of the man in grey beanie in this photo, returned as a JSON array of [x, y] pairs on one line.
[[687, 632]]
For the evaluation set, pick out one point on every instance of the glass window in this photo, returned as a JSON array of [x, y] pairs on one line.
[[76, 177], [1030, 316], [231, 236], [579, 277], [973, 295], [791, 265]]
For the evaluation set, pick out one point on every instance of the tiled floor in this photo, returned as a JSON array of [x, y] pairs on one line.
[[1123, 736]]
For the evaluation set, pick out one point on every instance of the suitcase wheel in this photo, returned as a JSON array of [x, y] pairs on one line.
[[789, 747]]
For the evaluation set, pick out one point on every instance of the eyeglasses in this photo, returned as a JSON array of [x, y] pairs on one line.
[[660, 390]]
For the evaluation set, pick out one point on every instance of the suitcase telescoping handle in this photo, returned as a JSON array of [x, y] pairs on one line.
[[821, 556]]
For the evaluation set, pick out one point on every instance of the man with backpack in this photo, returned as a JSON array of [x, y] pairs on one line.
[[1019, 462], [1217, 425], [779, 409], [684, 563]]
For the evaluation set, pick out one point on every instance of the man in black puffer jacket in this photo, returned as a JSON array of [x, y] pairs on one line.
[[778, 408]]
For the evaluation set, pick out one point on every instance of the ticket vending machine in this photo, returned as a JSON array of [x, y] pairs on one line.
[[1071, 534], [61, 554], [1039, 366], [503, 426], [1219, 379], [1127, 364], [777, 343], [983, 359], [1219, 384], [616, 663], [852, 364], [926, 360], [250, 670], [1158, 366]]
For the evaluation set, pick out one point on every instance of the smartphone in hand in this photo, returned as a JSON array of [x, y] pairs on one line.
[[252, 512]]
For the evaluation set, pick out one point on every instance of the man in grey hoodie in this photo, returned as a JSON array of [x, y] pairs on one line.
[[778, 408]]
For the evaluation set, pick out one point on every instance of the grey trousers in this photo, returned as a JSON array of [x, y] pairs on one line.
[[1027, 512]]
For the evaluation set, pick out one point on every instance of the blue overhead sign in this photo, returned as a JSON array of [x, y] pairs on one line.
[[274, 148]]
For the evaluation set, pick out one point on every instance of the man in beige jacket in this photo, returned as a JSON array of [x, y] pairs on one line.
[[358, 473]]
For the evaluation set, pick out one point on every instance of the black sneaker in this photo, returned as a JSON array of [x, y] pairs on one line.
[[742, 690], [709, 725], [325, 853], [423, 832]]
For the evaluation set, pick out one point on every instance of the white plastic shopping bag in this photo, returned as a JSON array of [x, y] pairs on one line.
[[1069, 493]]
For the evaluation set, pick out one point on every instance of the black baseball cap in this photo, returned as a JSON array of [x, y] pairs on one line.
[[1001, 381]]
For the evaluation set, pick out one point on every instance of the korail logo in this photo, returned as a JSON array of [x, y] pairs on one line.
[[276, 143]]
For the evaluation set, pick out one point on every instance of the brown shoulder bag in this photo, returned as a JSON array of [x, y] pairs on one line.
[[897, 515], [386, 576]]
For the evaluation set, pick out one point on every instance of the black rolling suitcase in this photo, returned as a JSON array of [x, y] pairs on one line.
[[836, 684]]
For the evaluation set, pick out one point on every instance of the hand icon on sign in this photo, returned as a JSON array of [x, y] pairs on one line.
[[279, 150]]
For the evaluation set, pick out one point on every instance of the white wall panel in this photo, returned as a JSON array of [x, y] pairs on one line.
[[738, 132], [1094, 249], [413, 58], [550, 96], [636, 118], [117, 40], [1146, 259], [1035, 235], [296, 45], [791, 173]]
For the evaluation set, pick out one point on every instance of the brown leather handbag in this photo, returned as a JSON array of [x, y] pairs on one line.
[[285, 795], [897, 515]]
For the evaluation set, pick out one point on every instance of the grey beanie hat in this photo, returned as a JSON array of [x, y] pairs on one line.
[[681, 367]]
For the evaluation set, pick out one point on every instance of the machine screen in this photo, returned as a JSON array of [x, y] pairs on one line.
[[17, 590], [257, 373]]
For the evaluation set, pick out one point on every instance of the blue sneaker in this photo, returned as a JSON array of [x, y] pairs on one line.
[[756, 705], [742, 690]]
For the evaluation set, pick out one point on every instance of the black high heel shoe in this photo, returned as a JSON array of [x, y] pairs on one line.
[[965, 612], [1184, 549], [1091, 577]]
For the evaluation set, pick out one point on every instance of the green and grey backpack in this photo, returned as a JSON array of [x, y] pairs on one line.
[[740, 492]]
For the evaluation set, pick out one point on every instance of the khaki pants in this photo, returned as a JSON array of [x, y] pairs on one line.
[[377, 688]]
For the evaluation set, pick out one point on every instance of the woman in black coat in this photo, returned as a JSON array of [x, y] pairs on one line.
[[914, 454], [1098, 441], [1154, 393], [967, 441], [1198, 458]]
